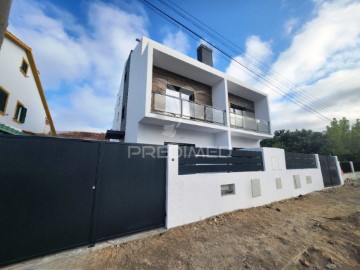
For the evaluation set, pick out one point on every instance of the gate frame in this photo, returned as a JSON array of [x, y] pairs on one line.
[[95, 185], [338, 170]]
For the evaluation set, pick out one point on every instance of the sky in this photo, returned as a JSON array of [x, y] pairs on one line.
[[305, 53]]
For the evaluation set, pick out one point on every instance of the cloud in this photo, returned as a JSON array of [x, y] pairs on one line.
[[80, 66], [81, 60], [290, 25], [285, 115], [61, 56], [320, 68], [86, 110], [177, 41], [342, 89], [323, 61], [335, 30], [257, 51]]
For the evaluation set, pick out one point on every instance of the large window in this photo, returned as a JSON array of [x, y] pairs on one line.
[[178, 100], [20, 113], [242, 117], [4, 96], [236, 109], [236, 116]]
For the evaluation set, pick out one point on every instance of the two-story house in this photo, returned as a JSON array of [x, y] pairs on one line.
[[168, 97], [23, 106]]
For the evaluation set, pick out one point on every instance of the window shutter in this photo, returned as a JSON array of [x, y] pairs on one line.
[[24, 67], [23, 115], [17, 112], [3, 98]]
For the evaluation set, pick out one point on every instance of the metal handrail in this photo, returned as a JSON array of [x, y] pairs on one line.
[[181, 114], [243, 123], [159, 93]]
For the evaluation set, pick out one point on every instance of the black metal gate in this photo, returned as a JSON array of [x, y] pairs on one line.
[[131, 189], [57, 194], [329, 171]]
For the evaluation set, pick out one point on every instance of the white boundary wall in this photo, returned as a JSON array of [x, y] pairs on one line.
[[352, 175], [194, 197]]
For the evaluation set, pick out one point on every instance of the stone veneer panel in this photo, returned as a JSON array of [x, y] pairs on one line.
[[243, 102], [161, 77]]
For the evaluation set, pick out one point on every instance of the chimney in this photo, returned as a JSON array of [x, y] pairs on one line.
[[204, 54]]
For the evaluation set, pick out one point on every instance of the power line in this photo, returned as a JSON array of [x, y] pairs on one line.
[[220, 38], [291, 95], [246, 56], [306, 107]]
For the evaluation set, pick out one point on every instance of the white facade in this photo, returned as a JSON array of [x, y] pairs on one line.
[[146, 125], [195, 197], [22, 88]]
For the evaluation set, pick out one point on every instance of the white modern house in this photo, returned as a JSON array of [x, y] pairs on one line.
[[168, 97], [23, 106]]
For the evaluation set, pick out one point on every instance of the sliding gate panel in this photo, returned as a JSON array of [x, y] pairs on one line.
[[46, 195], [329, 171], [333, 170], [325, 171], [131, 189]]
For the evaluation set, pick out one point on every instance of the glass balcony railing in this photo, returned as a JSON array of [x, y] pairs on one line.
[[244, 122], [186, 109], [173, 106]]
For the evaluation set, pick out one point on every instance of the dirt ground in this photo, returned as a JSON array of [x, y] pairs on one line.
[[317, 231]]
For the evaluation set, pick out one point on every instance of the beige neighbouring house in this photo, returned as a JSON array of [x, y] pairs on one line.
[[23, 106]]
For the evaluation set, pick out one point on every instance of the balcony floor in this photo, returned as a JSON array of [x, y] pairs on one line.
[[251, 134], [161, 120]]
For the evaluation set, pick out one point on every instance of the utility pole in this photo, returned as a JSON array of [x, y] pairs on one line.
[[4, 16]]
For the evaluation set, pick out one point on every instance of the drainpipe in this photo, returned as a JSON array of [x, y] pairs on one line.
[[4, 16]]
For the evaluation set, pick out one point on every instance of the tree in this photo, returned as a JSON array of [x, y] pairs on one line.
[[299, 141], [355, 142], [338, 139]]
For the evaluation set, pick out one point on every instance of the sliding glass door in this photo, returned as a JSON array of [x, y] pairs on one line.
[[178, 102]]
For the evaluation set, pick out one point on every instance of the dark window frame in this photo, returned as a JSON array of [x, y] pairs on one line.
[[3, 100], [123, 113], [181, 90], [244, 111], [25, 64], [20, 113]]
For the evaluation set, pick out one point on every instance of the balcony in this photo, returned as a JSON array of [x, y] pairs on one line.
[[186, 109], [238, 120]]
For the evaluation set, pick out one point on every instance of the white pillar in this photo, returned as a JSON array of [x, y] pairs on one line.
[[172, 171], [339, 171], [352, 169], [352, 166]]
